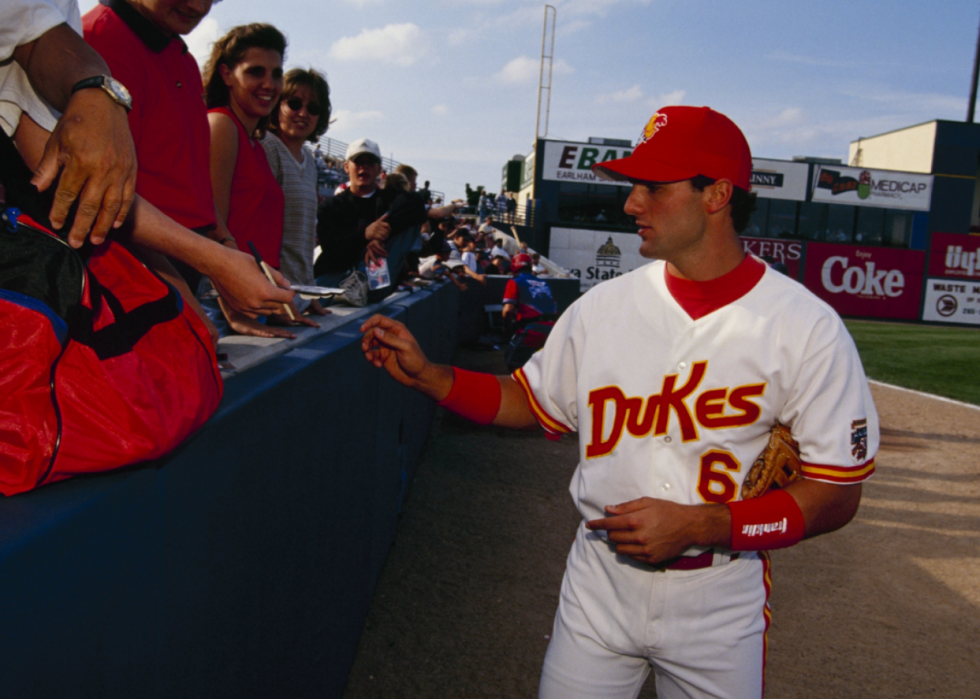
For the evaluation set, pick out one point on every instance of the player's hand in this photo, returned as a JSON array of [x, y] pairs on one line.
[[244, 288], [650, 530], [93, 144], [379, 230], [388, 344]]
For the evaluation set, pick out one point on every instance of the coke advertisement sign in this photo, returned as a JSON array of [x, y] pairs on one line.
[[866, 281], [955, 255], [788, 252]]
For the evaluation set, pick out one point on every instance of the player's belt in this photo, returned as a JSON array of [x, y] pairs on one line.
[[704, 560]]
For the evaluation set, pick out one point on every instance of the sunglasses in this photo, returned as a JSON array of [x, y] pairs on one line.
[[296, 104]]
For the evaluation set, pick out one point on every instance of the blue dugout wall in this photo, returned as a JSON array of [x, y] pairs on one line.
[[242, 564]]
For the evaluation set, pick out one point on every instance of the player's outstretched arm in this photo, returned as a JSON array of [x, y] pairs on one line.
[[388, 344]]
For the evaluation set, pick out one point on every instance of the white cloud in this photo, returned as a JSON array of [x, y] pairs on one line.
[[668, 98], [440, 109], [363, 3], [630, 94], [461, 36], [791, 116], [523, 70], [199, 41], [402, 44], [349, 124]]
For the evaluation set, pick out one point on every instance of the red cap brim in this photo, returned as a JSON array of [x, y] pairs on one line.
[[630, 169]]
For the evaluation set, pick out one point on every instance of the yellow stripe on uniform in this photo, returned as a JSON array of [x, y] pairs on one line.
[[841, 472], [548, 422]]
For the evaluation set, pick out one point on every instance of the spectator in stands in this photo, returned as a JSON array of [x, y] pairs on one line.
[[435, 267], [538, 269], [426, 195], [410, 174], [42, 60], [398, 182], [365, 223], [511, 208], [242, 84], [529, 309], [468, 252], [501, 204], [483, 206], [487, 228], [235, 274], [302, 116], [140, 42], [498, 265], [498, 249]]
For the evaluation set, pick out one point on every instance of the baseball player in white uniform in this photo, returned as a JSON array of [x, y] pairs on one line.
[[672, 376]]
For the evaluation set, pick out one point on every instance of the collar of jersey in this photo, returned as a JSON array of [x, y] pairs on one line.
[[146, 30], [698, 299]]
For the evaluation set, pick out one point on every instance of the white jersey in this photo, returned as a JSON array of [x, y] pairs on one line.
[[678, 409]]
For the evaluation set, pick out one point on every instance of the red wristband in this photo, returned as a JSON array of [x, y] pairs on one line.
[[773, 521], [474, 395]]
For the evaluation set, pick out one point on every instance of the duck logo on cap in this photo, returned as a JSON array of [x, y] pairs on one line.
[[657, 122]]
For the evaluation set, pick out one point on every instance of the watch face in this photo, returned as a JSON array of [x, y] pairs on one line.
[[119, 91]]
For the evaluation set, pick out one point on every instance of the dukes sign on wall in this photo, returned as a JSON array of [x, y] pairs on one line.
[[866, 281]]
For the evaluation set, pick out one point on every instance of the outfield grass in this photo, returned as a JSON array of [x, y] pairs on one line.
[[943, 361]]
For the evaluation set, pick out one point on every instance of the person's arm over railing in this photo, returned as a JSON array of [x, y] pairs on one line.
[[91, 145]]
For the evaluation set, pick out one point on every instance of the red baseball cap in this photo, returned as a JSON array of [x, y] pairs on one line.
[[519, 262], [679, 143]]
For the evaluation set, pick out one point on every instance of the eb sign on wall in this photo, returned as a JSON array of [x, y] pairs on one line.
[[866, 281]]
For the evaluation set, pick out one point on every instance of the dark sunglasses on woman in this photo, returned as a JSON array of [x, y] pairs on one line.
[[296, 104]]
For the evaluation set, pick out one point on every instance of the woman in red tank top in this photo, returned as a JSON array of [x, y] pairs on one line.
[[242, 84]]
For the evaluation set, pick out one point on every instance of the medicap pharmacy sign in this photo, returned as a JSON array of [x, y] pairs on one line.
[[889, 189], [866, 282], [955, 255], [572, 162]]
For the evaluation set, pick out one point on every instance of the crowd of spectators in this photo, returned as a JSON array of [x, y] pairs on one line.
[[204, 171]]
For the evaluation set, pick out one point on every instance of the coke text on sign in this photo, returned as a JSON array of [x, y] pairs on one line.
[[867, 282]]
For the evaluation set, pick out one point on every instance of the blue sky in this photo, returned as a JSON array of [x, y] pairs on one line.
[[450, 87]]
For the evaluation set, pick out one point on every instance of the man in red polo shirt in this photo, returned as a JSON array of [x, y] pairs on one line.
[[140, 41]]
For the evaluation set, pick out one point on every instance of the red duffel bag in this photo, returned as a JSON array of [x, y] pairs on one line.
[[101, 363]]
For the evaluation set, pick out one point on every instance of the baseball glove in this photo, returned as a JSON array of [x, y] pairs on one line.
[[777, 466]]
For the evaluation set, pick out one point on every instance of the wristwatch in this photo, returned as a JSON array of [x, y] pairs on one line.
[[115, 89]]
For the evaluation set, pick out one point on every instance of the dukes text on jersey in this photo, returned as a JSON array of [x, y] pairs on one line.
[[713, 409]]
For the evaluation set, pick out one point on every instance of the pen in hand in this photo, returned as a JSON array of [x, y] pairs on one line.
[[268, 275]]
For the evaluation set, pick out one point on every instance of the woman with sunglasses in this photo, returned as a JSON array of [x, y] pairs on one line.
[[302, 115], [242, 84]]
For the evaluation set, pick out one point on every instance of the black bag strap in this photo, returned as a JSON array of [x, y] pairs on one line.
[[129, 327]]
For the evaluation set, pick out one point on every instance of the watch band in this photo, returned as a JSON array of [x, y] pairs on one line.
[[112, 87]]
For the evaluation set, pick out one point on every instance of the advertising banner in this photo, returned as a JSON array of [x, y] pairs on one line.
[[594, 256], [572, 162], [889, 189], [949, 301], [786, 252], [955, 255], [779, 179], [866, 281]]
